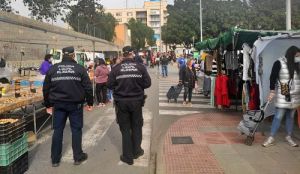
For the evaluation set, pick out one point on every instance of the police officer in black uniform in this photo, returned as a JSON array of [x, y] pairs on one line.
[[128, 81], [66, 87]]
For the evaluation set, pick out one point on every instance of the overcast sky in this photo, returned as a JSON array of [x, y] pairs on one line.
[[19, 6]]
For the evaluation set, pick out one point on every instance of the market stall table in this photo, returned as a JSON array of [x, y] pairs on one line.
[[10, 103]]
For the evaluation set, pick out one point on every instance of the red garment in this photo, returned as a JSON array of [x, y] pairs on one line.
[[221, 91], [254, 97]]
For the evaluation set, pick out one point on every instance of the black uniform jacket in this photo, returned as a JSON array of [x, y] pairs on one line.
[[67, 82], [128, 80]]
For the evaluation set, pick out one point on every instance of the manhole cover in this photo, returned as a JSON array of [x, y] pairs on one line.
[[182, 140]]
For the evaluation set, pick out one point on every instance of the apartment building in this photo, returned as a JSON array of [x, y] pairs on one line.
[[153, 14], [123, 35]]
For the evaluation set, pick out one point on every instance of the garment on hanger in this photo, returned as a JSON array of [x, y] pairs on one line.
[[221, 91], [208, 63], [214, 70], [254, 97], [206, 85], [246, 61], [213, 84], [231, 61]]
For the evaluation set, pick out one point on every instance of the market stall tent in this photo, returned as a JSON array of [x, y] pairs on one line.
[[266, 51], [236, 37]]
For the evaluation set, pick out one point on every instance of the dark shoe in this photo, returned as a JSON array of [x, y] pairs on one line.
[[83, 158], [55, 164], [138, 154], [125, 160]]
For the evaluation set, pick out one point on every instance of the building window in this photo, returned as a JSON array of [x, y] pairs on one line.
[[155, 24], [155, 18], [119, 14], [154, 12], [129, 13], [119, 20]]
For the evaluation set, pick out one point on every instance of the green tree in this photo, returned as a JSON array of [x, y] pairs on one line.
[[140, 34], [5, 5], [40, 9], [183, 21], [219, 16], [270, 14], [88, 16], [46, 9]]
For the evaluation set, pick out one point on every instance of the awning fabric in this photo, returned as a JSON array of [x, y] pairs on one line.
[[234, 35]]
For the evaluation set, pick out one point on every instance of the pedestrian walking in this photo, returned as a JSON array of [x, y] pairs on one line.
[[181, 62], [101, 74], [164, 65], [46, 64], [157, 60], [285, 87], [128, 81], [66, 87], [188, 78]]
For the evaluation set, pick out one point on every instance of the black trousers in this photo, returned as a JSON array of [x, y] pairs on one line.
[[130, 120], [101, 92], [74, 112]]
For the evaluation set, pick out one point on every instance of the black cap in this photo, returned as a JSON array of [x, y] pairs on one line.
[[68, 50], [127, 49]]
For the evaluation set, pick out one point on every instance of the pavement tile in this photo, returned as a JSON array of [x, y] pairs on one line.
[[234, 164], [219, 148]]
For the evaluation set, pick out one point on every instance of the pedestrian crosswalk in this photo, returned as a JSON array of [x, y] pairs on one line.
[[200, 103]]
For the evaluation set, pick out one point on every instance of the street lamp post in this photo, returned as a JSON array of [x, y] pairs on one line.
[[288, 15], [160, 24], [201, 32]]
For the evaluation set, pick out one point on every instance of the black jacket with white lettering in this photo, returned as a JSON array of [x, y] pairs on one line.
[[128, 80], [67, 82]]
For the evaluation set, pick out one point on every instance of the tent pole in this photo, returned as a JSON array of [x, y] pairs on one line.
[[233, 55]]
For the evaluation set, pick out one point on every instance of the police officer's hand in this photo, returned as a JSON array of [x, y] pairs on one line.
[[89, 108], [49, 110]]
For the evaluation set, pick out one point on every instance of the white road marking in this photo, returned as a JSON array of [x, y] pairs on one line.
[[177, 112], [94, 134], [143, 161], [180, 99], [180, 105]]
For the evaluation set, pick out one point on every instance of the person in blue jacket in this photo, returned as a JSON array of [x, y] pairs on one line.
[[47, 63]]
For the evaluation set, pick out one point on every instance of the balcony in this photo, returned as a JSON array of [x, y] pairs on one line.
[[154, 19], [154, 12]]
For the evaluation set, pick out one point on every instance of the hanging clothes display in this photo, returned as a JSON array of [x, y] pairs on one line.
[[214, 70], [246, 92], [232, 86], [206, 85], [231, 61], [254, 97], [212, 97], [208, 64], [221, 91], [246, 61]]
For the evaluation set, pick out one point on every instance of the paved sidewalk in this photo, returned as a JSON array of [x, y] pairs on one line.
[[219, 148]]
